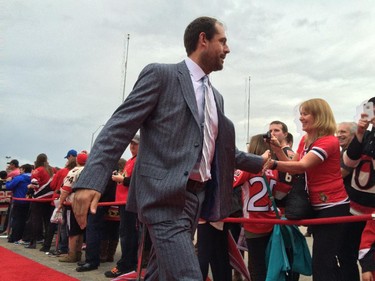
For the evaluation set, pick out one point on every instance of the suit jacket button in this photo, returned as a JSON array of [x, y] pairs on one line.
[[186, 173], [196, 144]]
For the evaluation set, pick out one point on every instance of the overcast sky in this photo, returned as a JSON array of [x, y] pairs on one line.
[[62, 63]]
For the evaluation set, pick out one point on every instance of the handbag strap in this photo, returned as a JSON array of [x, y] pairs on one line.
[[270, 195]]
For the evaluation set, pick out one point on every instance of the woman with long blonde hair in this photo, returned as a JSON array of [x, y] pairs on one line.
[[318, 156]]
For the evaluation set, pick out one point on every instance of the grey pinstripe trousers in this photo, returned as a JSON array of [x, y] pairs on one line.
[[173, 255]]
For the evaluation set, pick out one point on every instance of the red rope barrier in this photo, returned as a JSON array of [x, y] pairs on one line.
[[332, 220], [42, 200], [116, 203]]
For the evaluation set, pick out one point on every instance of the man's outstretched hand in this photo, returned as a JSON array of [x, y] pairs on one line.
[[83, 200]]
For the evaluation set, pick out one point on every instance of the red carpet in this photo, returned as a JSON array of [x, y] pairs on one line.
[[14, 267]]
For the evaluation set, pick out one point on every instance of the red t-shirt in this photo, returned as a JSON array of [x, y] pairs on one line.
[[58, 180], [324, 181], [41, 175], [121, 190]]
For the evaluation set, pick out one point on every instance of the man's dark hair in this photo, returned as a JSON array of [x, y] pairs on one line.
[[3, 175], [289, 138], [27, 168], [284, 127], [192, 31]]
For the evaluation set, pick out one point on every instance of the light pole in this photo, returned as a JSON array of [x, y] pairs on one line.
[[126, 69], [248, 115], [93, 134]]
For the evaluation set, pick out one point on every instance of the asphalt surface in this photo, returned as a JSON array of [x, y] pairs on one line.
[[69, 268]]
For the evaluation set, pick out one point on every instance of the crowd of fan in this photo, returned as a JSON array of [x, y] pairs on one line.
[[31, 222], [45, 214]]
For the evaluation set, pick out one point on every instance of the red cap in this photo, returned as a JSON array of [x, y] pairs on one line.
[[82, 158]]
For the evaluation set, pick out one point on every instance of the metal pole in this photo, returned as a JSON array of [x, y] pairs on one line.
[[141, 246], [93, 134], [248, 114], [126, 68]]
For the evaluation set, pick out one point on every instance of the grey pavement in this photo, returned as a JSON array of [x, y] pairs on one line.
[[69, 268]]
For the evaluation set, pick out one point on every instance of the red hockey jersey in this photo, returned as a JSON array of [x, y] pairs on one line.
[[256, 202]]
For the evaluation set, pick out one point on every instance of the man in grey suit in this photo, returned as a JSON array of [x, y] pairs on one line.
[[169, 189]]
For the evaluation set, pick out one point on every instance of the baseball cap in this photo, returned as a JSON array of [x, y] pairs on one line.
[[136, 139], [14, 162], [71, 152], [82, 158]]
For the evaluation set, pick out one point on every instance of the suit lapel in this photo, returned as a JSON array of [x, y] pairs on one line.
[[188, 90], [218, 101]]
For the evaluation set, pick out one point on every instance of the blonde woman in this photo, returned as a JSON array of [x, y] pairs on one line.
[[318, 156]]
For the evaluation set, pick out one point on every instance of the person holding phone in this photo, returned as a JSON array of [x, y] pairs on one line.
[[368, 109], [360, 156]]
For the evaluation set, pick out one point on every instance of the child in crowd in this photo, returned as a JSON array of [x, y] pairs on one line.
[[257, 204], [74, 231]]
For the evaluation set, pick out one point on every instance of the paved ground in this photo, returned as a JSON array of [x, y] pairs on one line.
[[69, 269]]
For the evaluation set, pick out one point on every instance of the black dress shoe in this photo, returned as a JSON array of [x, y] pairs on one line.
[[80, 263], [44, 249], [86, 267]]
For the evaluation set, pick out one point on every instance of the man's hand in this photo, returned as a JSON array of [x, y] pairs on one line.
[[367, 276], [83, 200], [274, 142], [362, 126], [266, 160], [118, 178], [266, 156]]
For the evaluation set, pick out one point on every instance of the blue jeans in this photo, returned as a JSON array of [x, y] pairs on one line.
[[63, 239]]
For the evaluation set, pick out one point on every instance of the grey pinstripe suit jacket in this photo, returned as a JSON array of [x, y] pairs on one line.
[[163, 105]]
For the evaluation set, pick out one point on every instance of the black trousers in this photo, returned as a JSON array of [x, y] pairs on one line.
[[213, 251], [128, 240], [327, 244], [349, 253], [18, 220], [257, 257], [38, 221], [94, 231]]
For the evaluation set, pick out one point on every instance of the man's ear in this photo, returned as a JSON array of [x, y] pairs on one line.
[[203, 39]]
